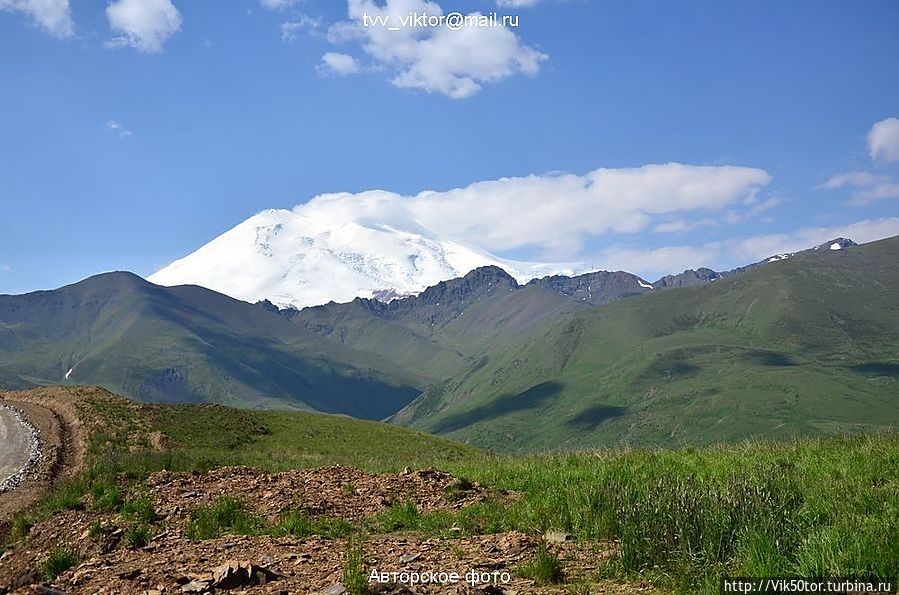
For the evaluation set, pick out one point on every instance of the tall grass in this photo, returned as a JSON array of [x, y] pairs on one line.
[[685, 518]]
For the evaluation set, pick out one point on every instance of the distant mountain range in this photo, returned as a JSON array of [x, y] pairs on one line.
[[293, 259], [800, 343]]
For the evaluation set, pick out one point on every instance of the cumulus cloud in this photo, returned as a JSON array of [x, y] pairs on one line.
[[883, 140], [867, 187], [554, 214], [144, 25], [53, 16], [118, 129], [456, 63], [726, 254], [339, 64]]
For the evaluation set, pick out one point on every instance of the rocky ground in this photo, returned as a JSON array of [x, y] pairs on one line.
[[172, 563], [171, 560]]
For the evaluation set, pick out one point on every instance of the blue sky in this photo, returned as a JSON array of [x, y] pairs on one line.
[[134, 131]]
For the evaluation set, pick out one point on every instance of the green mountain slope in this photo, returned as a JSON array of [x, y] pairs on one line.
[[186, 344], [808, 345], [449, 327]]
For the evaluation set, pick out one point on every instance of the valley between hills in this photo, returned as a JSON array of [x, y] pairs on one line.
[[797, 345]]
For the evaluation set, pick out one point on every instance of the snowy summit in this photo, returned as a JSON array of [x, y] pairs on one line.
[[294, 259]]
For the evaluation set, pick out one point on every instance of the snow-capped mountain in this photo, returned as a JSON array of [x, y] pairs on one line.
[[293, 259]]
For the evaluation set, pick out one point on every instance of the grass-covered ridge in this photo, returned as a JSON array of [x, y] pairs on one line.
[[679, 519], [801, 347]]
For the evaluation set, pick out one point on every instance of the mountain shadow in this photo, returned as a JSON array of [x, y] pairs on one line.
[[510, 403], [878, 369], [590, 418]]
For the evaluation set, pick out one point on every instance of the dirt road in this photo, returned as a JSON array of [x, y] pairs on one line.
[[16, 445]]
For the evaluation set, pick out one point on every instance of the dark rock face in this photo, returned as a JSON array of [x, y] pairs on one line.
[[596, 288], [435, 306], [268, 306], [687, 278]]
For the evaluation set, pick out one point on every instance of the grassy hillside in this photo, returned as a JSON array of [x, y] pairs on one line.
[[186, 344], [449, 327], [806, 346], [678, 519]]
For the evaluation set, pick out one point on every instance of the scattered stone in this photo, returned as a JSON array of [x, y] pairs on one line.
[[197, 586], [233, 574], [406, 558], [337, 589], [556, 537]]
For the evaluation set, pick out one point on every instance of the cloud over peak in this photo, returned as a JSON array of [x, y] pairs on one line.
[[553, 214]]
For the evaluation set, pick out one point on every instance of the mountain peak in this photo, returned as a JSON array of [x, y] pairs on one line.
[[299, 258], [836, 244]]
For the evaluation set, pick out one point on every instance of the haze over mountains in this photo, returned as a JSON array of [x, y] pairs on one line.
[[799, 343]]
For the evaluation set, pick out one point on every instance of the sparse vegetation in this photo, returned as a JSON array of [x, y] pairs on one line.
[[138, 536], [140, 509], [95, 530], [545, 567], [355, 577], [59, 560], [225, 516], [21, 526]]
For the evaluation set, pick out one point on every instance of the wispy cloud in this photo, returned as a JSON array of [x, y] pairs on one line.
[[118, 129], [144, 25], [867, 187], [5, 268], [883, 140], [302, 22], [278, 4], [53, 16], [655, 262]]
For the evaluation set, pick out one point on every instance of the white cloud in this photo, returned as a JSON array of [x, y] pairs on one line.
[[682, 225], [118, 128], [456, 63], [277, 4], [883, 140], [339, 64], [290, 29], [555, 214], [653, 263], [867, 187], [144, 25], [5, 268], [53, 16], [516, 3]]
